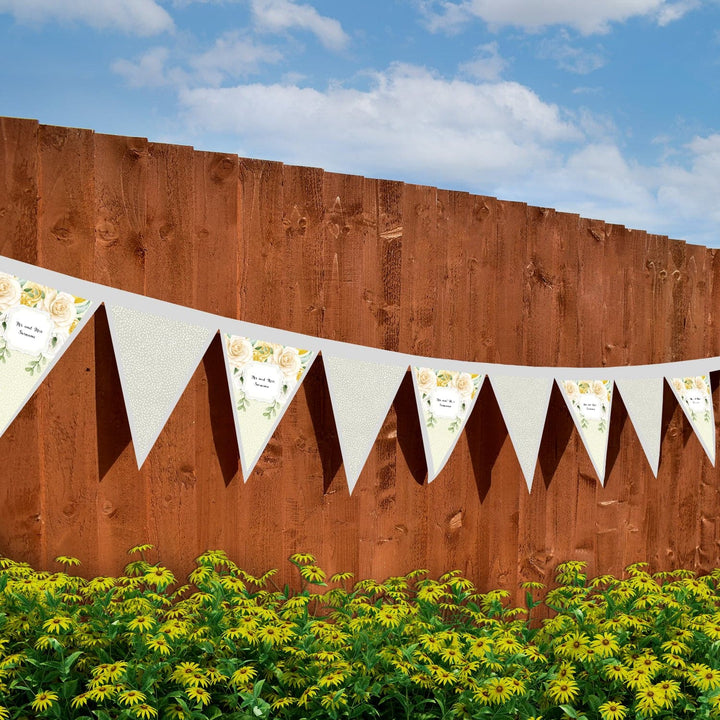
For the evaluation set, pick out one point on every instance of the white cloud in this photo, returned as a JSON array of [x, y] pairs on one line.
[[410, 122], [570, 57], [149, 71], [531, 15], [141, 17], [281, 15], [487, 63], [231, 56]]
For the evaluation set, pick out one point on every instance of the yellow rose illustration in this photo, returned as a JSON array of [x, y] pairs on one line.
[[263, 351]]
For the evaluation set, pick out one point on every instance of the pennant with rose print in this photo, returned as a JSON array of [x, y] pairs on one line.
[[590, 402], [37, 324], [695, 398], [445, 399], [264, 378]]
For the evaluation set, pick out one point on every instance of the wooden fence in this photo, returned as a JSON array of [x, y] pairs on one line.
[[375, 262]]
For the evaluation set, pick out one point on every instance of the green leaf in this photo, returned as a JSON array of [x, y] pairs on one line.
[[569, 711]]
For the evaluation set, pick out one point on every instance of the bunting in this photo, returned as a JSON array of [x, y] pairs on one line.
[[445, 399], [524, 403], [643, 398], [361, 394], [156, 356], [695, 398], [158, 346], [264, 378], [37, 324], [589, 402]]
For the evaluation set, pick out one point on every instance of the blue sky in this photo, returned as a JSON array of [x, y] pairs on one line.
[[609, 109]]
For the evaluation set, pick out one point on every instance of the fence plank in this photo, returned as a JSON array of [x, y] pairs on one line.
[[65, 243], [21, 513]]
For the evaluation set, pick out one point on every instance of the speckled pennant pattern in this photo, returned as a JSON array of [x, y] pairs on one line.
[[693, 394], [156, 357], [643, 398], [524, 403], [590, 402], [264, 378], [361, 394], [37, 325], [445, 399]]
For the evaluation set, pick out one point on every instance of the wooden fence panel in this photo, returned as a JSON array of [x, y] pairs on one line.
[[385, 264]]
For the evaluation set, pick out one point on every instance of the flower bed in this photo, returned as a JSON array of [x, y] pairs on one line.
[[232, 645]]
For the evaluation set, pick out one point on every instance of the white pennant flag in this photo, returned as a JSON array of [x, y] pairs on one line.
[[264, 378], [643, 398], [524, 403], [445, 399], [695, 398], [590, 402], [156, 357], [361, 394], [37, 325]]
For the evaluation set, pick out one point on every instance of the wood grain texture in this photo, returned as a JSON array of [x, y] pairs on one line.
[[374, 262]]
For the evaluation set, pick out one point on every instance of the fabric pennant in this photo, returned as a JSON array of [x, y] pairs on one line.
[[156, 357], [524, 403], [264, 378], [643, 398], [445, 399], [590, 402], [695, 398], [37, 325], [361, 394]]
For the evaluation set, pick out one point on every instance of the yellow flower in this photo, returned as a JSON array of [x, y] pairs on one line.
[[200, 695], [649, 701], [159, 644], [159, 577], [638, 677], [140, 549], [4, 713], [131, 697], [451, 655], [175, 712], [100, 692], [612, 710], [44, 700], [57, 623], [282, 702], [313, 574], [303, 559], [80, 700], [705, 679], [605, 645], [500, 690], [272, 634], [335, 701], [143, 623], [574, 646], [144, 711], [442, 676], [675, 647], [508, 644], [332, 679], [67, 560], [562, 691], [478, 647], [670, 690], [243, 675]]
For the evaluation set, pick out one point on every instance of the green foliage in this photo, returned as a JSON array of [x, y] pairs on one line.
[[230, 645]]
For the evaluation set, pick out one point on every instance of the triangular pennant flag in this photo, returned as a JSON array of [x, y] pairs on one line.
[[643, 398], [37, 325], [156, 357], [524, 403], [444, 399], [361, 393], [264, 378], [695, 398], [590, 402]]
